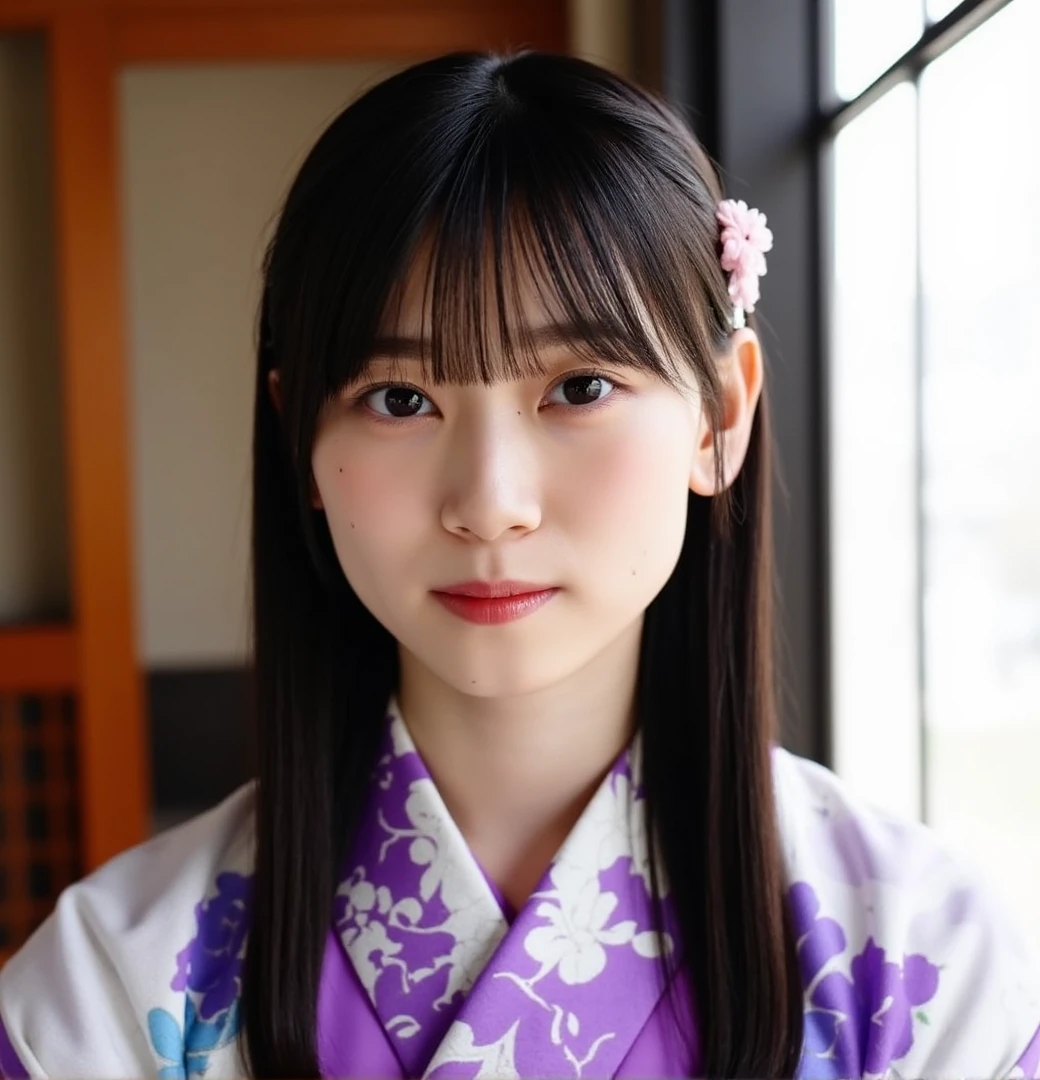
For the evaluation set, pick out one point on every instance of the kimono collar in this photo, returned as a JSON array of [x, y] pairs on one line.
[[459, 991]]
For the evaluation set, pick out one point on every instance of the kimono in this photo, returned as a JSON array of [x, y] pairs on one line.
[[909, 966]]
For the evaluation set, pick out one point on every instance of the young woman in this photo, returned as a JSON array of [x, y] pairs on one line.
[[520, 810]]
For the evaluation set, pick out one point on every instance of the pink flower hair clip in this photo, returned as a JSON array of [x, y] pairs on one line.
[[745, 241]]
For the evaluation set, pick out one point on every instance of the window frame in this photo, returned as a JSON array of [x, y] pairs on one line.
[[756, 82]]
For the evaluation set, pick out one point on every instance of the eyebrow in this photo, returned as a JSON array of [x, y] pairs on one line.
[[539, 337]]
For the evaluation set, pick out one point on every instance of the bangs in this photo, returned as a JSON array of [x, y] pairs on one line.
[[525, 248], [497, 291]]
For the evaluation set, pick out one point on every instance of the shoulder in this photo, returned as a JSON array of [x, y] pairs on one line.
[[909, 959], [102, 987], [828, 828]]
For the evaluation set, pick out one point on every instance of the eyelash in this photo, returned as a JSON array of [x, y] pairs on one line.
[[358, 399]]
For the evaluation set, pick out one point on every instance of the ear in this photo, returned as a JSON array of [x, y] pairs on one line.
[[741, 375], [274, 389]]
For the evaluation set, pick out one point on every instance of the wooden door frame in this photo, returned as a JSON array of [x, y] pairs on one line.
[[89, 42]]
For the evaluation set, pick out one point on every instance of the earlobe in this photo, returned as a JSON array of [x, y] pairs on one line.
[[702, 467], [741, 377]]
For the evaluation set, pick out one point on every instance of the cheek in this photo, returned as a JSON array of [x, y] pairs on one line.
[[370, 501], [629, 504], [635, 477]]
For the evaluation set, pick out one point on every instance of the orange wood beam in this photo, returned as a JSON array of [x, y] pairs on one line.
[[16, 16], [38, 659], [408, 8], [52, 8], [347, 32], [538, 23], [112, 747]]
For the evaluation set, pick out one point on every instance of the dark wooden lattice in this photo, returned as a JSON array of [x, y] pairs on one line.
[[39, 828]]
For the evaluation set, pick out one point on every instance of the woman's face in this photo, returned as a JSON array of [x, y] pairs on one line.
[[575, 482]]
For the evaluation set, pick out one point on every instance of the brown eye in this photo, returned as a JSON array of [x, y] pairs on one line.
[[400, 402], [582, 390]]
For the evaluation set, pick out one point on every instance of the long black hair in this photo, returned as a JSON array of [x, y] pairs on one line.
[[527, 166]]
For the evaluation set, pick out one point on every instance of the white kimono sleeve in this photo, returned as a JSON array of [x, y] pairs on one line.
[[100, 990], [912, 967]]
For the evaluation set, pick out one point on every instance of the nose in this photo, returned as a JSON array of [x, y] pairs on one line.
[[492, 489]]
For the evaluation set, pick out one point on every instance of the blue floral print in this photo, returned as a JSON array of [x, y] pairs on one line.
[[209, 971]]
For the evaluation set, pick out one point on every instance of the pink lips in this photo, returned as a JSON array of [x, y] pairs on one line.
[[492, 602]]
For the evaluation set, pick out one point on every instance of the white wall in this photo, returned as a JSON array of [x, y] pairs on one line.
[[207, 156], [33, 546]]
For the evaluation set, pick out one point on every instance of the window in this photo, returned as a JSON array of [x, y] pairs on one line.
[[934, 397], [868, 37]]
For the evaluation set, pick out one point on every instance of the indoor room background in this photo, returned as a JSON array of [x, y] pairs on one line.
[[144, 150]]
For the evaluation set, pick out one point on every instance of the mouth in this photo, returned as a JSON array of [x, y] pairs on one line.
[[489, 603], [493, 590]]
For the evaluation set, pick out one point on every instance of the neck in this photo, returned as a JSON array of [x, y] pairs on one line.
[[516, 772]]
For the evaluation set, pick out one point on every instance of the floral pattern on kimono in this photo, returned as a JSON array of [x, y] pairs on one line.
[[862, 1022], [460, 992], [209, 975], [908, 968], [910, 965]]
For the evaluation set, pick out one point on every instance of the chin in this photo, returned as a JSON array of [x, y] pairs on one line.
[[481, 685], [509, 678]]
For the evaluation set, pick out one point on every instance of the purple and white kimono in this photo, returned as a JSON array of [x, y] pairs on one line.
[[909, 968]]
